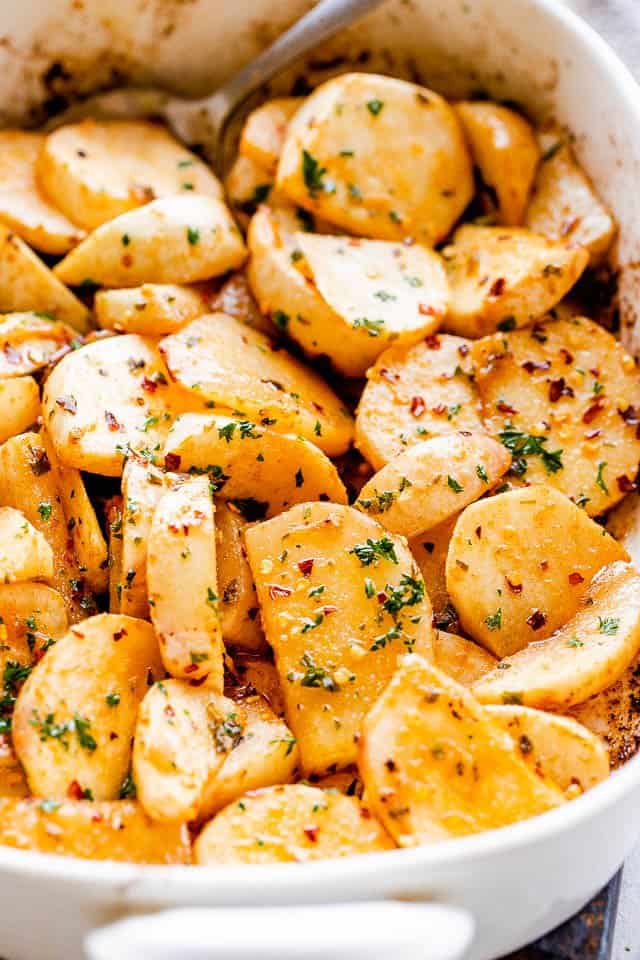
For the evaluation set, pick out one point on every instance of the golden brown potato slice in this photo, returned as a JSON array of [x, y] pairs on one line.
[[28, 483], [564, 205], [29, 341], [114, 526], [265, 129], [584, 656], [379, 157], [223, 361], [119, 830], [340, 600], [239, 611], [435, 765], [33, 616], [506, 277], [96, 170], [564, 398], [505, 149], [24, 551], [12, 779], [460, 658], [430, 553], [557, 747], [253, 465], [108, 399], [256, 674], [75, 715], [290, 823], [235, 299], [413, 393], [26, 283], [23, 206], [19, 406], [178, 239], [511, 588], [154, 309], [433, 480], [182, 583]]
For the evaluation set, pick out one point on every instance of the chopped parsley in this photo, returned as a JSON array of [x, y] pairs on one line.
[[608, 625], [523, 445], [372, 550], [374, 106], [313, 174], [600, 477], [45, 509], [494, 620], [453, 484]]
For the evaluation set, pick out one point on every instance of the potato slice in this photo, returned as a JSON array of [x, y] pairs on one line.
[[235, 299], [292, 823], [28, 483], [505, 149], [96, 170], [178, 239], [262, 471], [256, 674], [613, 715], [265, 129], [379, 157], [564, 397], [430, 553], [119, 831], [435, 765], [24, 552], [114, 526], [506, 277], [510, 588], [182, 583], [433, 480], [75, 715], [460, 658], [29, 341], [12, 779], [558, 747], [584, 656], [26, 283], [340, 600], [241, 369], [154, 309], [108, 399], [564, 205], [413, 393], [19, 406], [32, 617], [239, 611], [23, 206]]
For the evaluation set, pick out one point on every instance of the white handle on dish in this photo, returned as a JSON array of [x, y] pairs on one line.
[[344, 931]]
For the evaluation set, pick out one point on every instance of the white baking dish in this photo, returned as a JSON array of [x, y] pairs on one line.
[[518, 882]]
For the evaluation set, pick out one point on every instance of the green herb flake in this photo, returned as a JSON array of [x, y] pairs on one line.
[[45, 510], [374, 106], [494, 620]]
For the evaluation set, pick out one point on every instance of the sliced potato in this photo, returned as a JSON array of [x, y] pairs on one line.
[[24, 551], [265, 129], [235, 299], [564, 398], [154, 309], [12, 779], [26, 283], [29, 341], [290, 823], [223, 361], [32, 617], [558, 747], [178, 239], [413, 393], [435, 765], [433, 480], [379, 157], [119, 830], [114, 525], [239, 610], [505, 149], [182, 583], [256, 674], [584, 656], [340, 600], [75, 715], [253, 465], [96, 170], [19, 405], [109, 399], [564, 205], [511, 588], [430, 553], [506, 277], [460, 658]]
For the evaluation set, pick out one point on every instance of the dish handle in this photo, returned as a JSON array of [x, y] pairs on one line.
[[378, 930]]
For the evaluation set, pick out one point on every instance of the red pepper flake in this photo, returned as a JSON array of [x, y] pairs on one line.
[[113, 735], [381, 597], [426, 310], [566, 356], [497, 287], [276, 591], [68, 403], [631, 416], [191, 668], [575, 578], [532, 365], [75, 791], [537, 620], [111, 421], [305, 567], [417, 407], [463, 566], [544, 564], [169, 711], [119, 634], [514, 587], [311, 833], [149, 385], [432, 341], [172, 461], [592, 434], [625, 485], [479, 532], [389, 375], [439, 409], [592, 412], [504, 407], [463, 349], [329, 608], [558, 388]]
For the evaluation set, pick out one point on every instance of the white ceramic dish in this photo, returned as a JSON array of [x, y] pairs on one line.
[[518, 882]]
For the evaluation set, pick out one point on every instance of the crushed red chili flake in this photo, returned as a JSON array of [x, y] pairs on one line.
[[111, 421], [497, 287], [532, 365], [119, 634], [381, 597], [38, 461], [558, 388], [329, 608], [172, 461], [505, 407], [514, 587], [426, 310], [311, 833], [169, 711], [68, 403], [191, 668], [592, 434], [389, 375], [75, 791], [305, 567], [625, 485], [275, 591], [568, 225], [592, 412], [390, 765], [463, 349], [575, 578], [478, 532], [536, 620], [544, 564], [433, 341], [462, 564], [149, 385], [566, 356], [631, 416], [439, 409], [417, 407]]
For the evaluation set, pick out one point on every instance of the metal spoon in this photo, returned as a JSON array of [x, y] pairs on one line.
[[206, 121]]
